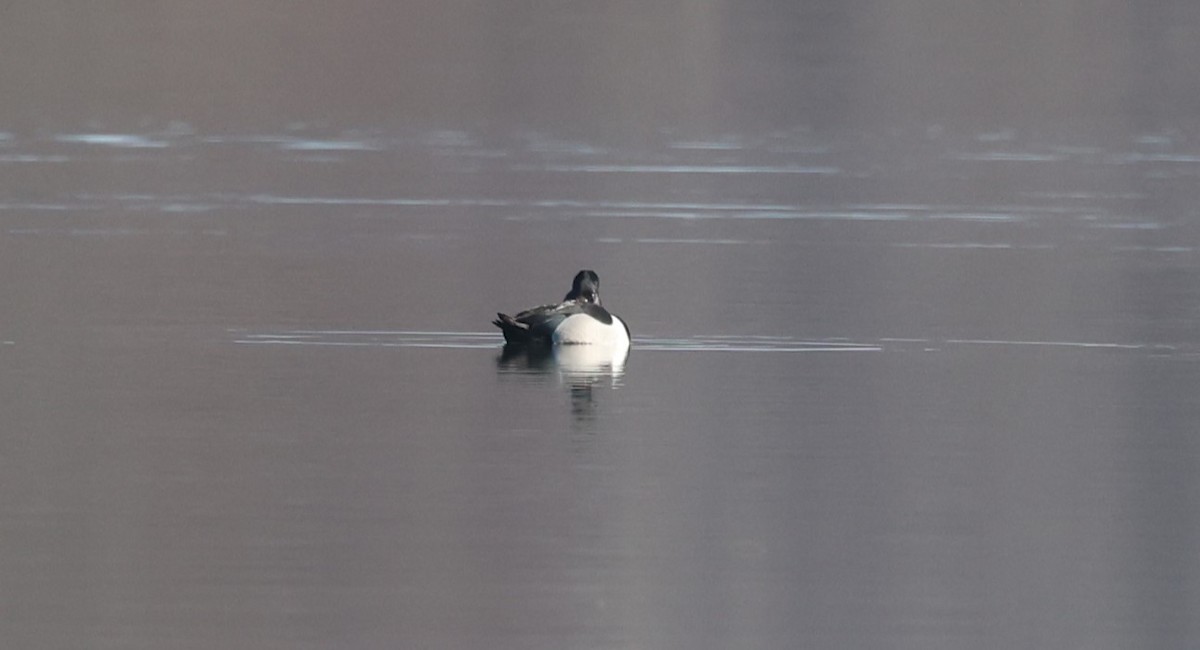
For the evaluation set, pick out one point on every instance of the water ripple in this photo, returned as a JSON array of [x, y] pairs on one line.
[[696, 343], [686, 169], [119, 140], [469, 340]]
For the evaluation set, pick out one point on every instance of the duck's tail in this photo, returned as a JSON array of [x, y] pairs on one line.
[[514, 333]]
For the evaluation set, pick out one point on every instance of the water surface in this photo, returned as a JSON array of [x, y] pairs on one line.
[[914, 297]]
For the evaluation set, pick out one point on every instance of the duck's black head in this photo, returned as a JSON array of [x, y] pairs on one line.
[[585, 287]]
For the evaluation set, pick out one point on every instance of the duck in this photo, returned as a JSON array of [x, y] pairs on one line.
[[580, 319]]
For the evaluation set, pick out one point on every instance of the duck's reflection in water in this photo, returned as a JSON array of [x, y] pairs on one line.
[[581, 369]]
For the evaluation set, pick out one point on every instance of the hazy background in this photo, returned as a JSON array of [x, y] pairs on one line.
[[617, 69]]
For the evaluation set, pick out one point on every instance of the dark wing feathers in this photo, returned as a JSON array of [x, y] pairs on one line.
[[536, 325]]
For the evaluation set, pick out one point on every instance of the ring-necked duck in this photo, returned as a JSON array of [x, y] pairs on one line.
[[578, 319]]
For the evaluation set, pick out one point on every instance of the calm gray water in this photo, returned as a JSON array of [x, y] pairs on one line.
[[915, 295]]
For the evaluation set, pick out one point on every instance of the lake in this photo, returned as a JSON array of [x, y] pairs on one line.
[[914, 294]]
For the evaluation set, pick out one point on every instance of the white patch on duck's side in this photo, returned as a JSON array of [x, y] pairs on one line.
[[581, 329]]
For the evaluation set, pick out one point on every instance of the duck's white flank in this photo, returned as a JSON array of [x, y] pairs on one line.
[[581, 329]]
